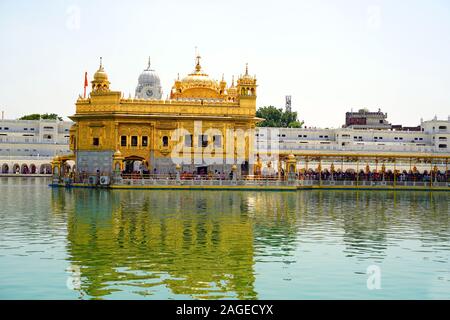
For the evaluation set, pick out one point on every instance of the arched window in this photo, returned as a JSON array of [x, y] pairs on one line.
[[165, 141]]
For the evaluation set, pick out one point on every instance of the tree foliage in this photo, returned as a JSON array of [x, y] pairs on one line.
[[44, 116], [274, 117]]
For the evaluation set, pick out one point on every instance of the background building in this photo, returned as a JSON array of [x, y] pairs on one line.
[[27, 146], [364, 119]]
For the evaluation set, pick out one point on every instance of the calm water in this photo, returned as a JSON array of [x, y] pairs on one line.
[[94, 244]]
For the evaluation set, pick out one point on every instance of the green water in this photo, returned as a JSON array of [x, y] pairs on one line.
[[131, 244]]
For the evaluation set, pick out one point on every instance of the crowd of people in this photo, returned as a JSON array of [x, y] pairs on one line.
[[349, 175]]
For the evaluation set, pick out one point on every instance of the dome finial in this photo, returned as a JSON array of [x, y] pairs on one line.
[[148, 68], [101, 64], [232, 80], [246, 69], [198, 66]]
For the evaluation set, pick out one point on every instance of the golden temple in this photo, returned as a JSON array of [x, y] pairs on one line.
[[111, 132]]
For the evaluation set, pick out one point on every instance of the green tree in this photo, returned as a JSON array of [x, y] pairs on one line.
[[274, 117], [44, 116]]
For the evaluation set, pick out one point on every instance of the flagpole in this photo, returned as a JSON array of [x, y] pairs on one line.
[[85, 84]]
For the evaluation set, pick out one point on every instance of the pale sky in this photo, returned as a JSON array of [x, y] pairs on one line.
[[330, 55]]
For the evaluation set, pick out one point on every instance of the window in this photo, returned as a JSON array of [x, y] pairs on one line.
[[381, 121], [134, 141], [396, 138], [48, 128], [442, 146], [123, 141], [32, 129], [442, 127], [188, 140], [443, 138], [203, 140], [217, 139], [25, 129], [401, 138], [5, 128], [95, 141], [165, 141], [320, 136], [144, 141]]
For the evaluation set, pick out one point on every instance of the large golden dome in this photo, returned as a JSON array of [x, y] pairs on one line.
[[198, 85], [199, 79]]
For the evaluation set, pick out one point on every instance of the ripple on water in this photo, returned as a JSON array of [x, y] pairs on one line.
[[227, 245]]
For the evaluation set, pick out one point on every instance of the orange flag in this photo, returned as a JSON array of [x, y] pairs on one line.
[[85, 83]]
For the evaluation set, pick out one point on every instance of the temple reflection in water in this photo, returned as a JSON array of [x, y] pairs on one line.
[[207, 244]]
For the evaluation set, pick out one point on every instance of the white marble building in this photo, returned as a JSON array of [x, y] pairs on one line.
[[432, 139], [28, 146]]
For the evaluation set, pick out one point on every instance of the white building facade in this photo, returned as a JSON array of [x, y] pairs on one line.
[[432, 139], [28, 146]]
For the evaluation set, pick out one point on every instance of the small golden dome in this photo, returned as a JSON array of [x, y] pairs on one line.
[[100, 75], [117, 154], [291, 157], [100, 82]]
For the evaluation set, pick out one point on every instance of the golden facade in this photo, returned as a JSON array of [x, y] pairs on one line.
[[110, 131]]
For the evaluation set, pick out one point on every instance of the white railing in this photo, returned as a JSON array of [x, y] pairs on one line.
[[278, 183], [49, 158]]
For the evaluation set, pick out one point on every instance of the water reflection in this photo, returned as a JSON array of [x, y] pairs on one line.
[[183, 244], [194, 245]]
